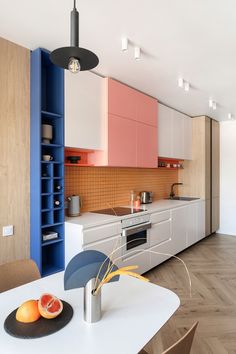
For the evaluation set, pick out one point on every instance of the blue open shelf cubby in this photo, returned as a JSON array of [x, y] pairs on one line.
[[47, 177]]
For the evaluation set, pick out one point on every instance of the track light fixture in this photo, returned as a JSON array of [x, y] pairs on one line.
[[124, 44], [212, 104], [137, 53], [186, 86], [183, 84]]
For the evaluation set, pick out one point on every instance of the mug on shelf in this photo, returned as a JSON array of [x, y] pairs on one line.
[[47, 158]]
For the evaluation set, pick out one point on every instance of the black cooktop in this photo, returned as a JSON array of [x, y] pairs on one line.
[[118, 211]]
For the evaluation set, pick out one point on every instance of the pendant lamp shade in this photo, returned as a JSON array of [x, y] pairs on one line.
[[74, 58]]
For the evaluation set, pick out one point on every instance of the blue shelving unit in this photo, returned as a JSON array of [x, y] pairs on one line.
[[47, 177]]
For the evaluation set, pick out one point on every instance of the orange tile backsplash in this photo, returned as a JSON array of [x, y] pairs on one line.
[[101, 187]]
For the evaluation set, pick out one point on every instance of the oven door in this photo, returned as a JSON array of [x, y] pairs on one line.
[[135, 239]]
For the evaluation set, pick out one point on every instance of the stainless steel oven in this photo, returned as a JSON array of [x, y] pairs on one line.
[[135, 235]]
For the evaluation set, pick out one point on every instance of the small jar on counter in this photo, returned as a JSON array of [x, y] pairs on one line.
[[137, 203]]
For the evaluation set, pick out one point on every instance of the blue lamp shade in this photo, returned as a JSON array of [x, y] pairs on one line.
[[85, 266]]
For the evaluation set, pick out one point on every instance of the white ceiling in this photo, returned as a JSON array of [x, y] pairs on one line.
[[195, 39]]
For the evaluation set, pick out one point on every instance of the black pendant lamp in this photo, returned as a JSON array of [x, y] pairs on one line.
[[74, 58]]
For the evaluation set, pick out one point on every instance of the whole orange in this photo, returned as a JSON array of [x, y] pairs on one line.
[[28, 312]]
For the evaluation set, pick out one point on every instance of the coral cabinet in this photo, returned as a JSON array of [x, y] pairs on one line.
[[47, 164], [131, 128]]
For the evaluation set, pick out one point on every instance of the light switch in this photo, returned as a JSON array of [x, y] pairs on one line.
[[8, 230]]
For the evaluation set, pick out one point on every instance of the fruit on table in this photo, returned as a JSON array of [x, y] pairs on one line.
[[49, 306], [28, 312]]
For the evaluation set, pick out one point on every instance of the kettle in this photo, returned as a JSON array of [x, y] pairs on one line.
[[74, 204], [146, 197]]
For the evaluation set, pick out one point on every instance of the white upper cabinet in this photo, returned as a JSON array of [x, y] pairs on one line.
[[84, 110], [164, 131], [174, 134], [177, 150]]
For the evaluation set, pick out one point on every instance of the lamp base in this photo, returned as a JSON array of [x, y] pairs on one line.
[[92, 303]]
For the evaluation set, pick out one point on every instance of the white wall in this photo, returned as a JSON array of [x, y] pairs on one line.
[[228, 177]]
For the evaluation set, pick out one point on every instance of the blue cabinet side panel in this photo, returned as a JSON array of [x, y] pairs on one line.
[[47, 107], [35, 157]]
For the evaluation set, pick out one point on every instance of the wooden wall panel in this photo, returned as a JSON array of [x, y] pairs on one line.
[[14, 147], [101, 187], [215, 159], [193, 176]]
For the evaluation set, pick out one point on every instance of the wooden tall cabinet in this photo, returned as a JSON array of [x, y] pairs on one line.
[[215, 164], [200, 176]]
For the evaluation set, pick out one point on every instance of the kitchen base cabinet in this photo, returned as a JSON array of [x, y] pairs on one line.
[[141, 259], [192, 226], [104, 238], [179, 229], [201, 220], [172, 231], [108, 246], [195, 223], [156, 256]]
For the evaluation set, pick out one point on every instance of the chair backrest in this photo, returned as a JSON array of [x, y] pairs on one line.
[[184, 344], [18, 273]]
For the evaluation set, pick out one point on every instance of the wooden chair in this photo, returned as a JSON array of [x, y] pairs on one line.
[[18, 273], [183, 345]]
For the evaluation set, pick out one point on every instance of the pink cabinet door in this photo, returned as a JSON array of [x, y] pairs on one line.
[[121, 142], [146, 145], [146, 109], [121, 100]]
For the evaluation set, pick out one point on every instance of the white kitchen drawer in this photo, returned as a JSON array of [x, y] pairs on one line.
[[101, 232], [156, 256], [107, 246], [159, 217], [160, 232], [141, 259]]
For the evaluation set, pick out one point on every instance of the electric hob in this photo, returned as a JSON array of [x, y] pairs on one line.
[[118, 211]]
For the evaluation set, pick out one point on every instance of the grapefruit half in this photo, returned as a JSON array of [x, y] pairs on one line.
[[49, 306]]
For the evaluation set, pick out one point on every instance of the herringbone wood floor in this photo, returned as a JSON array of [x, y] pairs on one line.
[[212, 266]]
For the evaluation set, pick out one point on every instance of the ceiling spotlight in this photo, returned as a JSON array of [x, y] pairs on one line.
[[137, 53], [230, 116], [214, 105], [181, 82], [210, 102], [186, 86], [124, 44]]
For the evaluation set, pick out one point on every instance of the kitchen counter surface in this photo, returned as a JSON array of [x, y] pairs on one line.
[[167, 204], [88, 219]]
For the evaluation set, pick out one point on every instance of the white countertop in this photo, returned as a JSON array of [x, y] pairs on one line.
[[87, 220], [133, 312]]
